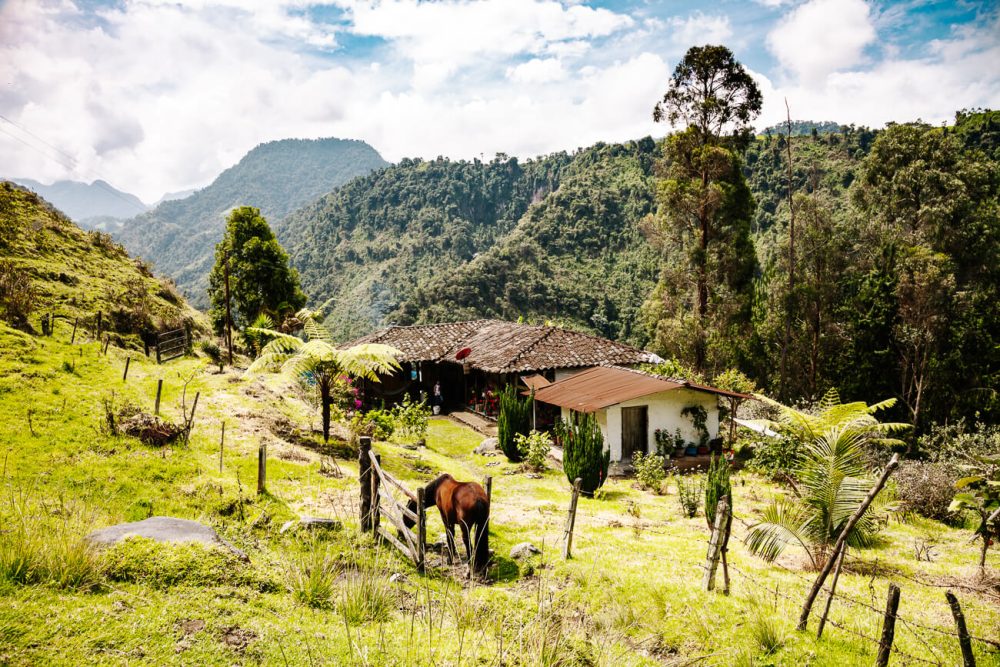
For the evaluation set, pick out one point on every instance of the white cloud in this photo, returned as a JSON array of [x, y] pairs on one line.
[[537, 70], [822, 36], [699, 29], [961, 72]]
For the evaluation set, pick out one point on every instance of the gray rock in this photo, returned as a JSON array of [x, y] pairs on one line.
[[488, 447], [163, 529], [524, 550], [310, 523]]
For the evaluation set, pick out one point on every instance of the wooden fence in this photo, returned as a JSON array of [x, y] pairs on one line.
[[171, 345], [378, 500]]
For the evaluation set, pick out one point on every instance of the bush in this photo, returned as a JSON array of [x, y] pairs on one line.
[[17, 296], [366, 597], [689, 494], [772, 456], [926, 488], [584, 453], [650, 471], [214, 353], [534, 448], [514, 419], [379, 424], [411, 417], [145, 561], [312, 578]]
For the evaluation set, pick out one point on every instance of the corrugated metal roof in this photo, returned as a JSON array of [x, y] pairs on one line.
[[506, 347], [534, 383], [603, 386]]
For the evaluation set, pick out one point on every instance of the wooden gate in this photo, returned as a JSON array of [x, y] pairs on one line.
[[170, 345], [378, 500]]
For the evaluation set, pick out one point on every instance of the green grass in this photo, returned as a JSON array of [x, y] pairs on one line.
[[630, 595]]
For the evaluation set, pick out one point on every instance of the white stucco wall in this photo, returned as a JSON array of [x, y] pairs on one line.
[[664, 410]]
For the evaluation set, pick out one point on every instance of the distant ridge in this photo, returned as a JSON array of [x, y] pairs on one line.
[[83, 201], [179, 236]]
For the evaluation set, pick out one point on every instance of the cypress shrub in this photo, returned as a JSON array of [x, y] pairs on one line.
[[717, 486], [584, 454], [514, 419]]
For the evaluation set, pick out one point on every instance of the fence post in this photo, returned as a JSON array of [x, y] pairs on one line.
[[190, 422], [818, 584], [261, 468], [968, 659], [888, 626], [571, 519], [715, 544], [125, 374], [159, 390], [376, 518], [488, 485], [222, 443], [107, 341], [833, 587], [73, 337], [365, 473], [421, 530]]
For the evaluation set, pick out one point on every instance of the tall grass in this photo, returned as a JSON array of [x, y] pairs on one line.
[[41, 546], [312, 578], [365, 597]]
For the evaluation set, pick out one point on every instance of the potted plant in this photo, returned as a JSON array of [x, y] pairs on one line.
[[679, 445]]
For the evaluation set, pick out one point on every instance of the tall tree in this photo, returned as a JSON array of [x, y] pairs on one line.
[[261, 282], [706, 205]]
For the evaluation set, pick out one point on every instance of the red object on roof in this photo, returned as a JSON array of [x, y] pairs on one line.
[[603, 386], [463, 353]]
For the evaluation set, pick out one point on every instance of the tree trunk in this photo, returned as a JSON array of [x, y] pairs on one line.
[[325, 399]]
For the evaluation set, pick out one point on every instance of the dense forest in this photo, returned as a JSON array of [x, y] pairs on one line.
[[179, 236], [574, 239]]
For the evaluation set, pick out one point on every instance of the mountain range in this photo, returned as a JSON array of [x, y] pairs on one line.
[[179, 236], [92, 205]]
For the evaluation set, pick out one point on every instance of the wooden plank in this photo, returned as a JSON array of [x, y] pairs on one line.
[[398, 522], [405, 511], [364, 475], [391, 539], [389, 479]]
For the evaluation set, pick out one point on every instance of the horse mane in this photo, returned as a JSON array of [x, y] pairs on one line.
[[430, 491]]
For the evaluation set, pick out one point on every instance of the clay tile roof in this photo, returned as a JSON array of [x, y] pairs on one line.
[[600, 387], [506, 347]]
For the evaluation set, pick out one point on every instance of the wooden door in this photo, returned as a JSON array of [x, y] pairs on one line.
[[635, 431]]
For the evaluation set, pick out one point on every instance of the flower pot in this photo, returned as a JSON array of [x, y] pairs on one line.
[[679, 453], [702, 450], [692, 450]]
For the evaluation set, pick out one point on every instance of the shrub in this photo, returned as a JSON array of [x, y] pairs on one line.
[[689, 494], [584, 453], [17, 296], [312, 578], [650, 471], [379, 424], [717, 486], [411, 417], [514, 418], [772, 456], [927, 488], [366, 597], [214, 353], [534, 448]]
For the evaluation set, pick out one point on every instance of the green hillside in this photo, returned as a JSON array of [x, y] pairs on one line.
[[70, 272], [179, 236]]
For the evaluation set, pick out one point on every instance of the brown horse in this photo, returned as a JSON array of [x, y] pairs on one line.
[[464, 504]]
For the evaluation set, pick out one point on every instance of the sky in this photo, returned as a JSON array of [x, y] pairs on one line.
[[156, 96]]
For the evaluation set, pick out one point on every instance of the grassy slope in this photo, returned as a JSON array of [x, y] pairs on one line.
[[76, 273], [622, 600]]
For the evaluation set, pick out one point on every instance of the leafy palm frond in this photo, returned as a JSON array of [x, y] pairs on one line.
[[783, 523]]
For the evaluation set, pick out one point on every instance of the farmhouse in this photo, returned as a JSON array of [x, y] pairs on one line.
[[639, 412], [471, 361]]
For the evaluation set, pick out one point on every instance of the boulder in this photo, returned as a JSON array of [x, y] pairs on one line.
[[524, 550], [163, 529], [488, 447]]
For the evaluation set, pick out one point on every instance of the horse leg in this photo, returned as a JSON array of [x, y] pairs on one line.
[[467, 541], [449, 536]]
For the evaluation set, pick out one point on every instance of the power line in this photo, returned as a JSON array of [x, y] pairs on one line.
[[73, 166]]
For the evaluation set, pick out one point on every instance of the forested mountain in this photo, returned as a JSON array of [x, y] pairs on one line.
[[91, 205], [179, 236]]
